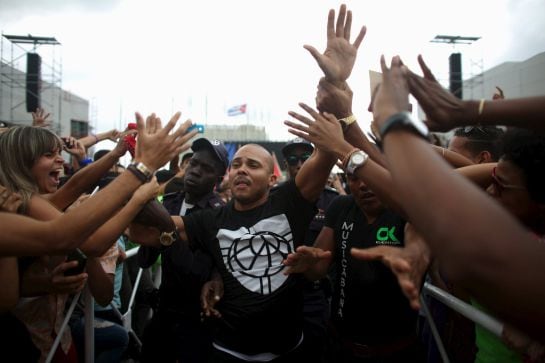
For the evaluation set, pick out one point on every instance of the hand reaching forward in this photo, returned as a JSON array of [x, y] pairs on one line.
[[339, 56], [304, 258], [444, 111], [155, 146], [325, 132], [408, 264]]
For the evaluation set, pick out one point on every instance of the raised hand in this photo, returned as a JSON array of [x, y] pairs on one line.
[[335, 99], [408, 264], [74, 147], [392, 95], [39, 118], [304, 258], [325, 132], [155, 146], [339, 56], [444, 111]]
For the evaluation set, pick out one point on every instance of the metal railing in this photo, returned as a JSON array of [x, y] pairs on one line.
[[89, 313]]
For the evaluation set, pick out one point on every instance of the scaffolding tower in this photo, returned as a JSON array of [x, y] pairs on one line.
[[13, 55]]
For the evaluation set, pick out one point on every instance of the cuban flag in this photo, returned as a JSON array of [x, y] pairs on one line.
[[237, 110]]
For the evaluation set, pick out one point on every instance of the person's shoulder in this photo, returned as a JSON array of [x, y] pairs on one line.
[[342, 200], [214, 201], [329, 193]]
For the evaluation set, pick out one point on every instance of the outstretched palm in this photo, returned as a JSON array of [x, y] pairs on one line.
[[339, 56]]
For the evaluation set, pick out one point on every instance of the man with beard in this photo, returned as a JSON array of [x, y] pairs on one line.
[[248, 239], [176, 332]]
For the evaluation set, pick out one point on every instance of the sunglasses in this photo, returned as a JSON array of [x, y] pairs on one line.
[[293, 160], [500, 186], [470, 129]]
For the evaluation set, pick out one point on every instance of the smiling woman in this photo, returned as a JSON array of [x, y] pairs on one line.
[[30, 160]]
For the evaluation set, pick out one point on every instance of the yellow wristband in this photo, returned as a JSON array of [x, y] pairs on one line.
[[481, 106], [348, 120]]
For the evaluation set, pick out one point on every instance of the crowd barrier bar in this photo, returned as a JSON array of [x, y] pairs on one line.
[[486, 321]]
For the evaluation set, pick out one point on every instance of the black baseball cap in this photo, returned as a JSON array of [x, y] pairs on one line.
[[186, 156], [217, 148], [296, 142]]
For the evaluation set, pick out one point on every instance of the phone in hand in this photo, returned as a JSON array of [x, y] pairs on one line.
[[76, 255], [198, 127]]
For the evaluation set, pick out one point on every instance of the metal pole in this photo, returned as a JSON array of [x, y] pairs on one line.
[[434, 331], [89, 326], [491, 324], [63, 326]]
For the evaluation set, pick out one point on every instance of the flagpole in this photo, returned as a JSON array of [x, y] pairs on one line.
[[206, 108]]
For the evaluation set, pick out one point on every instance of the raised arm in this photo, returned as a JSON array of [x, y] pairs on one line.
[[312, 177], [444, 111], [85, 178], [339, 56], [23, 236], [470, 256], [326, 133]]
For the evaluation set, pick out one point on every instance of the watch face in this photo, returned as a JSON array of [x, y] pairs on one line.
[[357, 158], [166, 238]]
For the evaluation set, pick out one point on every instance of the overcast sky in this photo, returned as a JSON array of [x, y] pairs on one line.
[[202, 57]]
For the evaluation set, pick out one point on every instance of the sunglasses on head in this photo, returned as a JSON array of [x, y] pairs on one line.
[[470, 129], [500, 186], [294, 159]]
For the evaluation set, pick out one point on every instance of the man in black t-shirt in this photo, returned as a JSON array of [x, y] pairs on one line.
[[176, 332], [371, 316], [248, 240]]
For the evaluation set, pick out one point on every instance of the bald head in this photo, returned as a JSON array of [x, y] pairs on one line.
[[260, 153]]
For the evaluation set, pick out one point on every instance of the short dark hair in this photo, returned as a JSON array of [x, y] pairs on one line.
[[526, 150], [482, 138]]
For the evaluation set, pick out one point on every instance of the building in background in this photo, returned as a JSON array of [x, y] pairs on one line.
[[516, 79]]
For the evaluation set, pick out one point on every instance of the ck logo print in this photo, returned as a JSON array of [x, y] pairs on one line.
[[386, 236]]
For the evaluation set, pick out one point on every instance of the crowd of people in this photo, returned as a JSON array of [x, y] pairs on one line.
[[318, 267]]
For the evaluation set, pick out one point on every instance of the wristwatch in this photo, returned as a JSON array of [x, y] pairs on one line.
[[404, 120], [167, 238], [357, 158], [141, 171]]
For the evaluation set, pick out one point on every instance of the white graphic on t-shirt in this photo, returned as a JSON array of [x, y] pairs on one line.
[[254, 255]]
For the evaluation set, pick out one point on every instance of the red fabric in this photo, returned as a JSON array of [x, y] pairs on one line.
[[130, 140]]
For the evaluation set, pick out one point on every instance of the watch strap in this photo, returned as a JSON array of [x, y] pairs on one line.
[[404, 119], [140, 171]]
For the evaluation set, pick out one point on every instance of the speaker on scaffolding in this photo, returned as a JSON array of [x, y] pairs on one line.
[[455, 71], [33, 81]]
